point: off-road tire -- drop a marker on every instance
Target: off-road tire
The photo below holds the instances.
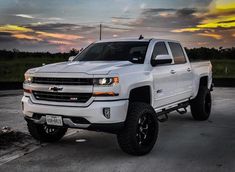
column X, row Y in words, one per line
column 46, row 133
column 129, row 139
column 201, row 105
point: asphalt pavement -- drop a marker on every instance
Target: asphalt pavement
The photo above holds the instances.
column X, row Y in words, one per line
column 183, row 144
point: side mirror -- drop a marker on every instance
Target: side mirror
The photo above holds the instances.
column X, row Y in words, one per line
column 161, row 59
column 71, row 58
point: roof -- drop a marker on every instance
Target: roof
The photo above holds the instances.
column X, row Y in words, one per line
column 133, row 39
column 124, row 39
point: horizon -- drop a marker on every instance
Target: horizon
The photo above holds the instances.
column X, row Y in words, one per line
column 32, row 26
column 78, row 50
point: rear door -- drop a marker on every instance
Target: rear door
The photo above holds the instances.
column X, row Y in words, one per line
column 183, row 71
column 164, row 78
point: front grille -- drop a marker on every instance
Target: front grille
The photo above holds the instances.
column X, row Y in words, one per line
column 63, row 81
column 62, row 97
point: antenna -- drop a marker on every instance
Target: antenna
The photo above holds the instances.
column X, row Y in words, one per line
column 100, row 30
column 141, row 37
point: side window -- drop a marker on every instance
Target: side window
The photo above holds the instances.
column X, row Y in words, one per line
column 159, row 49
column 177, row 53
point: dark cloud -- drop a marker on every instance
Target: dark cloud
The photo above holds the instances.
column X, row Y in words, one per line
column 167, row 18
column 5, row 37
column 121, row 18
column 221, row 13
column 227, row 21
column 61, row 27
column 203, row 3
column 155, row 11
column 186, row 12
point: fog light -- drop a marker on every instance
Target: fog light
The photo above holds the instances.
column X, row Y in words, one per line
column 106, row 112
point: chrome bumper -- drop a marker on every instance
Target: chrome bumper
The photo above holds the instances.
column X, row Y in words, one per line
column 66, row 121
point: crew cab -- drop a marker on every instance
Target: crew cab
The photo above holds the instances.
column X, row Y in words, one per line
column 120, row 86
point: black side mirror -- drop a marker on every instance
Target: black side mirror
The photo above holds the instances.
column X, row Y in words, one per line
column 161, row 59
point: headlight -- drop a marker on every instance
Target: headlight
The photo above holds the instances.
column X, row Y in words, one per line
column 28, row 79
column 106, row 81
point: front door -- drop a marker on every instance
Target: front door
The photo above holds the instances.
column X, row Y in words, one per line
column 164, row 78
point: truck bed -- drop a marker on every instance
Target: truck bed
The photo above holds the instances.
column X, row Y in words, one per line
column 201, row 67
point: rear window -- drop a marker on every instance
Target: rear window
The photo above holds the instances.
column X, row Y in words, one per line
column 177, row 53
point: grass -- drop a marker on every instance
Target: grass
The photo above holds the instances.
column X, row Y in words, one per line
column 223, row 68
column 13, row 70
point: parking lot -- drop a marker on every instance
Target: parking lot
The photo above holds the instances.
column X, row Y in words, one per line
column 183, row 144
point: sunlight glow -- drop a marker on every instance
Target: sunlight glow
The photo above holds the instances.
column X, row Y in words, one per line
column 24, row 36
column 59, row 35
column 212, row 35
column 14, row 28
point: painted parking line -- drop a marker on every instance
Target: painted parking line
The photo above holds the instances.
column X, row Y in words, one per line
column 26, row 149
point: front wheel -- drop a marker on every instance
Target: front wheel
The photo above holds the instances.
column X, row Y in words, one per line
column 201, row 105
column 141, row 130
column 46, row 133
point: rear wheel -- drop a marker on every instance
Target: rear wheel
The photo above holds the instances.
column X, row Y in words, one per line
column 201, row 105
column 46, row 133
column 141, row 130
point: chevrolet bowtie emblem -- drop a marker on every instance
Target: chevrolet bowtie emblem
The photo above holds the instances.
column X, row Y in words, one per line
column 55, row 88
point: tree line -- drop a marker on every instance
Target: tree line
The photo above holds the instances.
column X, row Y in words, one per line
column 202, row 53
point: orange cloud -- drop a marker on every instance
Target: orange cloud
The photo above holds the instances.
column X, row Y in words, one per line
column 186, row 30
column 24, row 36
column 201, row 43
column 20, row 32
column 212, row 35
column 59, row 35
column 60, row 42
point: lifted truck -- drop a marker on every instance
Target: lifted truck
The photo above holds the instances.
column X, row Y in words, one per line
column 121, row 86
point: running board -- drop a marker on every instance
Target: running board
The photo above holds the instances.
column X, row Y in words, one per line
column 164, row 112
column 183, row 111
column 162, row 118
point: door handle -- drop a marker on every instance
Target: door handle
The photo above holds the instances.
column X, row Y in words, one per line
column 173, row 72
column 189, row 70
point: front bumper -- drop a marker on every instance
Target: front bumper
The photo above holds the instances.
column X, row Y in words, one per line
column 93, row 113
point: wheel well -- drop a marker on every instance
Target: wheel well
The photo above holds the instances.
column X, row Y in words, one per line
column 140, row 94
column 204, row 81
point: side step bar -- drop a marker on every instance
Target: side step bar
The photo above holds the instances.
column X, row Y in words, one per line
column 164, row 112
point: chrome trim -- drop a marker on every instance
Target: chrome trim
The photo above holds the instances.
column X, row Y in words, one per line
column 70, row 123
column 66, row 121
column 42, row 120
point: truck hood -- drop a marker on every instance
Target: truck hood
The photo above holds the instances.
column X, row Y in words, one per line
column 91, row 67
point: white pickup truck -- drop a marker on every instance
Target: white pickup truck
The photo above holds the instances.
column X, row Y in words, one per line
column 121, row 86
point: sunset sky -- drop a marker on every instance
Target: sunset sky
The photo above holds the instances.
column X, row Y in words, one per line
column 58, row 26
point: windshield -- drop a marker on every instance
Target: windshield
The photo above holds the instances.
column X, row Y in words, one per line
column 114, row 51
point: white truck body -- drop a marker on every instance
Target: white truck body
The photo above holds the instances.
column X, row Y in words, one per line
column 169, row 85
column 118, row 86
